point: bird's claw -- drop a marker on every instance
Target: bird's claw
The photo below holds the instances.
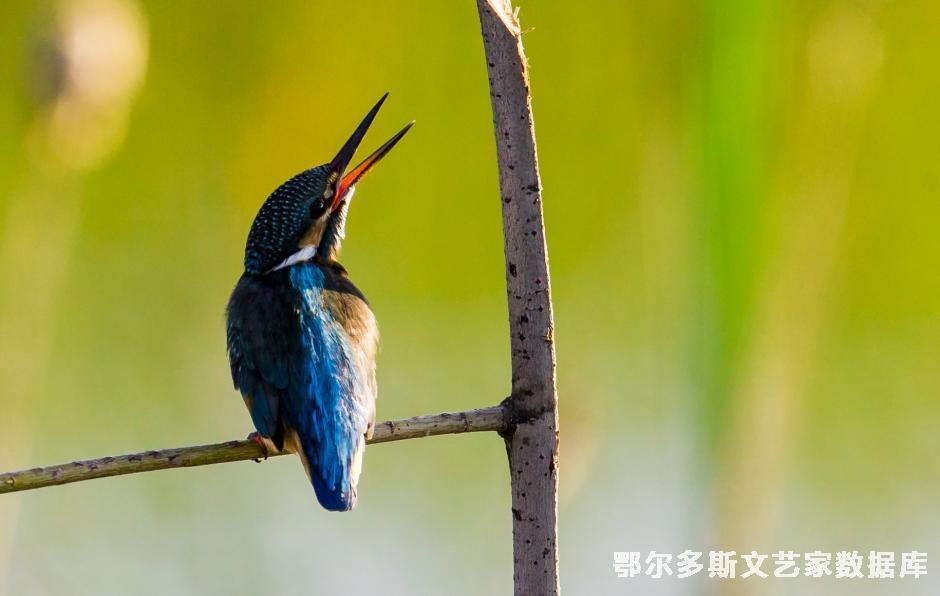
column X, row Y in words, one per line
column 257, row 438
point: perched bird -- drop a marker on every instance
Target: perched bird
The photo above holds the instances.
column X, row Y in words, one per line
column 301, row 337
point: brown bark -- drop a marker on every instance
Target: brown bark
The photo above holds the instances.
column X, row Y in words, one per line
column 532, row 441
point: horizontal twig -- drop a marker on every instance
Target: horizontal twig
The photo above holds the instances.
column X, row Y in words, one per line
column 486, row 419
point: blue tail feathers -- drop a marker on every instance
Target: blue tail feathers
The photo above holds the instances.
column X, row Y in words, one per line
column 333, row 480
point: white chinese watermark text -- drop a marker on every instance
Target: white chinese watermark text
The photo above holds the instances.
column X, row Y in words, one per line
column 721, row 564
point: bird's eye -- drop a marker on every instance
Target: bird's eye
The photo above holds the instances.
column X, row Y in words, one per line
column 317, row 208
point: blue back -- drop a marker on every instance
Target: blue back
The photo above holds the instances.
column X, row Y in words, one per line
column 329, row 400
column 302, row 345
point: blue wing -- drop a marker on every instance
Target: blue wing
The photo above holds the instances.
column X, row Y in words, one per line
column 263, row 339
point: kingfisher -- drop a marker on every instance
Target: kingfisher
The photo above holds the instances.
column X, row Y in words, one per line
column 301, row 337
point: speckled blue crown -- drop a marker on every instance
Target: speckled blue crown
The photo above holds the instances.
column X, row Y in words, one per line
column 282, row 220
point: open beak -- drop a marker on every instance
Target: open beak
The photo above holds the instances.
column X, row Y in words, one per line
column 345, row 155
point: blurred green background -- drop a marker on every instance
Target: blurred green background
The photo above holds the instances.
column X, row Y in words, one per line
column 741, row 203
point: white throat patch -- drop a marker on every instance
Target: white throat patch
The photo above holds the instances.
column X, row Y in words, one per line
column 304, row 254
column 347, row 198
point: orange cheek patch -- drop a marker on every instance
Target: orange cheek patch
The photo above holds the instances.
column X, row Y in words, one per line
column 314, row 233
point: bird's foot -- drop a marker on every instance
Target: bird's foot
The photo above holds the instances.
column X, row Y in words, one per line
column 262, row 442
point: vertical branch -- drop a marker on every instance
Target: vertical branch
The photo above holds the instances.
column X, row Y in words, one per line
column 532, row 443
